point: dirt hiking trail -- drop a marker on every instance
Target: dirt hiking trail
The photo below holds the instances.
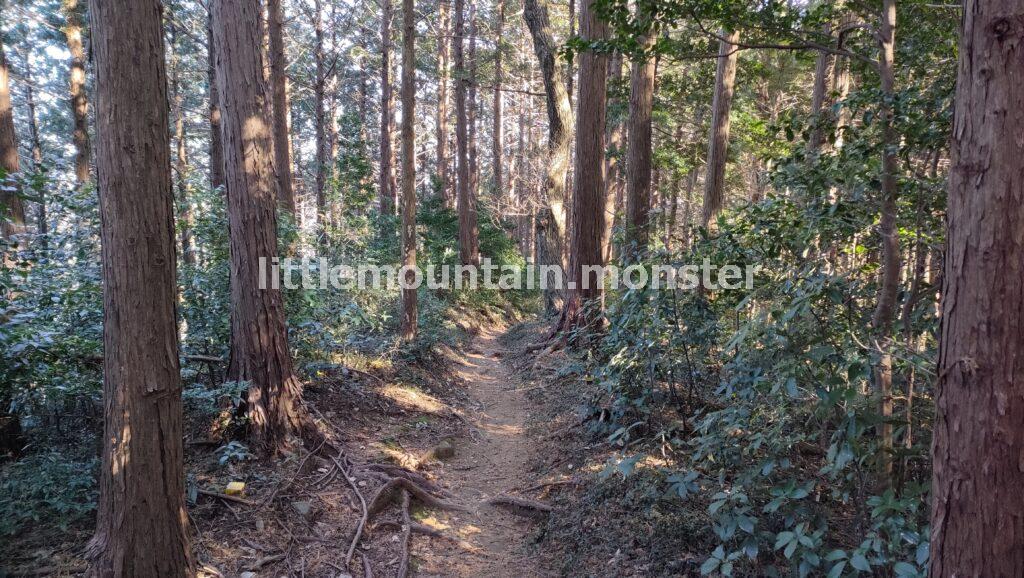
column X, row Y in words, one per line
column 492, row 461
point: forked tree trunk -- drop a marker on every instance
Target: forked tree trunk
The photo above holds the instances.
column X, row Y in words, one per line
column 498, row 130
column 216, row 144
column 141, row 522
column 551, row 221
column 79, row 101
column 978, row 440
column 585, row 300
column 718, row 140
column 469, row 244
column 259, row 339
column 409, row 310
column 12, row 207
column 444, row 44
column 638, row 167
column 282, row 121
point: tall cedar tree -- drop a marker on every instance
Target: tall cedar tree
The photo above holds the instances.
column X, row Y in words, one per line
column 469, row 243
column 388, row 184
column 978, row 437
column 259, row 340
column 279, row 88
column 443, row 53
column 79, row 101
column 216, row 146
column 141, row 522
column 638, row 166
column 586, row 291
column 409, row 312
column 12, row 207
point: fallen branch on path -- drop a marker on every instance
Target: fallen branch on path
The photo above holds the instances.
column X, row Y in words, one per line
column 520, row 505
column 225, row 497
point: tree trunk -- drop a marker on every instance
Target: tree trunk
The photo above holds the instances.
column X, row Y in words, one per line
column 12, row 207
column 259, row 339
column 586, row 291
column 387, row 178
column 37, row 146
column 616, row 156
column 978, row 440
column 79, row 103
column 409, row 311
column 443, row 49
column 216, row 144
column 319, row 122
column 473, row 106
column 498, row 132
column 718, row 140
column 181, row 155
column 885, row 309
column 282, row 120
column 550, row 223
column 638, row 167
column 469, row 243
column 819, row 92
column 141, row 522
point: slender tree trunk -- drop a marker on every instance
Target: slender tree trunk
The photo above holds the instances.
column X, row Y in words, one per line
column 387, row 181
column 409, row 311
column 473, row 106
column 616, row 155
column 282, row 116
column 882, row 319
column 79, row 102
column 259, row 339
column 551, row 222
column 216, row 144
column 37, row 146
column 443, row 49
column 12, row 207
column 320, row 121
column 141, row 522
column 585, row 302
column 718, row 140
column 638, row 167
column 469, row 243
column 978, row 440
column 498, row 132
column 181, row 153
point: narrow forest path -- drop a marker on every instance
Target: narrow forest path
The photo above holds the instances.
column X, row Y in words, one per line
column 493, row 461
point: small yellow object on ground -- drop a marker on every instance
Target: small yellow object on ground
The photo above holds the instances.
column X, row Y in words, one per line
column 234, row 488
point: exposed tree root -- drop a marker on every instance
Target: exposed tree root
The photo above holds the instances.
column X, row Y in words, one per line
column 403, row 565
column 520, row 505
column 390, row 490
column 414, row 477
column 362, row 521
column 367, row 570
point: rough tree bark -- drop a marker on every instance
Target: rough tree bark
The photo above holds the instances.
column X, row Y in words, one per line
column 469, row 243
column 12, row 207
column 550, row 223
column 216, row 145
column 259, row 340
column 141, row 522
column 585, row 299
column 498, row 130
column 978, row 439
column 638, row 165
column 409, row 310
column 718, row 140
column 282, row 116
column 821, row 87
column 79, row 102
column 37, row 145
column 443, row 51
